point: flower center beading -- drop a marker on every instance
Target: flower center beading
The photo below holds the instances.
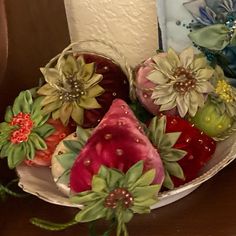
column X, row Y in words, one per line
column 73, row 91
column 186, row 80
column 224, row 91
column 119, row 196
column 231, row 24
column 25, row 124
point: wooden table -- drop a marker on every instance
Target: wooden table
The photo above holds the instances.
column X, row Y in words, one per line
column 33, row 32
column 208, row 211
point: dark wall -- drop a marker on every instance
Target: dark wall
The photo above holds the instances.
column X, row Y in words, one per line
column 37, row 31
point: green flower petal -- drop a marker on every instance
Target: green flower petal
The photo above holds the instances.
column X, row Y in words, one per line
column 140, row 209
column 37, row 141
column 174, row 169
column 187, row 57
column 4, row 149
column 77, row 114
column 168, row 183
column 145, row 180
column 45, row 130
column 86, row 197
column 47, row 89
column 69, row 67
column 93, row 212
column 99, row 184
column 93, row 81
column 8, row 114
column 157, row 77
column 65, row 112
column 23, row 103
column 52, row 107
column 114, row 177
column 30, row 150
column 51, row 75
column 142, row 194
column 88, row 103
column 133, row 174
column 87, row 71
column 95, row 91
column 16, row 155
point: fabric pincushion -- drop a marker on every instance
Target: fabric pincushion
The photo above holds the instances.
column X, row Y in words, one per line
column 27, row 135
column 81, row 87
column 117, row 142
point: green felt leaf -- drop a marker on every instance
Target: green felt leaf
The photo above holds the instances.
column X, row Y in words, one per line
column 66, row 160
column 134, row 173
column 16, row 155
column 23, row 103
column 174, row 169
column 8, row 114
column 37, row 141
column 99, row 184
column 85, row 198
column 145, row 180
column 45, row 130
column 146, row 203
column 168, row 183
column 92, row 212
column 73, row 145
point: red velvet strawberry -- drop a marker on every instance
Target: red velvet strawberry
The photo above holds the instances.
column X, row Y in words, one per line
column 118, row 142
column 43, row 157
column 184, row 149
column 82, row 87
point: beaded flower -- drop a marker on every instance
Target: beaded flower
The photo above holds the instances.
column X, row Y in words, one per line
column 72, row 86
column 117, row 196
column 24, row 130
column 182, row 81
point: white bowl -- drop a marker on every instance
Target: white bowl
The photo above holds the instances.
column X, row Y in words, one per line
column 39, row 181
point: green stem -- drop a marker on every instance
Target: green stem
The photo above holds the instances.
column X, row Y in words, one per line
column 6, row 190
column 47, row 225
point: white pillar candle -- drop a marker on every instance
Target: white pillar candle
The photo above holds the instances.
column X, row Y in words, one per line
column 131, row 26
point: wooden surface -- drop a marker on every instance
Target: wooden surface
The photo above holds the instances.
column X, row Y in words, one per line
column 37, row 30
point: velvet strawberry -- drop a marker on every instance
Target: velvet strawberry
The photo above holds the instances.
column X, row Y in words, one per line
column 118, row 142
column 184, row 149
column 82, row 88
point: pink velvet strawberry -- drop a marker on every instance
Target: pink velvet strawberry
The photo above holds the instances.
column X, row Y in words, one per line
column 43, row 157
column 184, row 149
column 118, row 142
column 82, row 88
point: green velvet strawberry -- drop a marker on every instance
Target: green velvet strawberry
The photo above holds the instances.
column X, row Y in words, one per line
column 217, row 118
column 24, row 130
